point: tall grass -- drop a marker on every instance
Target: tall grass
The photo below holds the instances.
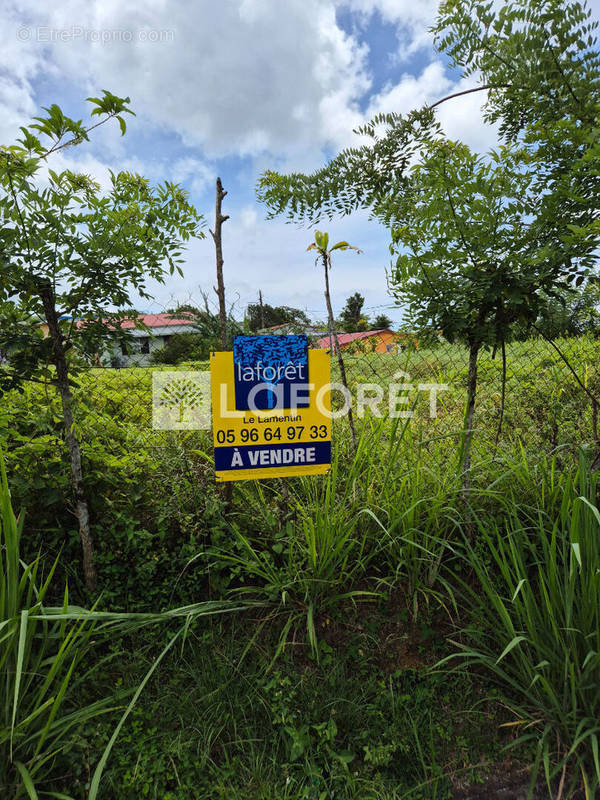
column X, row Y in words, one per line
column 318, row 560
column 535, row 606
column 418, row 513
column 40, row 651
column 45, row 655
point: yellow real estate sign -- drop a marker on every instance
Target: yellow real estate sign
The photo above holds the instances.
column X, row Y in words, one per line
column 252, row 441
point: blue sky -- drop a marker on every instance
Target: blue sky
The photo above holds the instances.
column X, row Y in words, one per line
column 231, row 89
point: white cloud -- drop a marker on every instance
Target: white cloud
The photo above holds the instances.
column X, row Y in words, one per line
column 194, row 173
column 248, row 217
column 22, row 61
column 461, row 118
column 412, row 19
column 241, row 77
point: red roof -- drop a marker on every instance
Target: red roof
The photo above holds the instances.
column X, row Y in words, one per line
column 157, row 321
column 346, row 338
column 150, row 320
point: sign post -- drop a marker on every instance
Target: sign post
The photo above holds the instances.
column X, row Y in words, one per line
column 270, row 409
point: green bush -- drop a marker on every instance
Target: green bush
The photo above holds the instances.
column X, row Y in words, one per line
column 184, row 347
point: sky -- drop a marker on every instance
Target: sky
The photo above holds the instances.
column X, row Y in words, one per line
column 231, row 89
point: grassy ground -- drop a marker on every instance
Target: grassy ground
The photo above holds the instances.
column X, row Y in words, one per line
column 368, row 721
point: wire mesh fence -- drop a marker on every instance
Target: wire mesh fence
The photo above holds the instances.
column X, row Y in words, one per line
column 541, row 395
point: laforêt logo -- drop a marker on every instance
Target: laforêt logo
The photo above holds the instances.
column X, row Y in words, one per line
column 270, row 372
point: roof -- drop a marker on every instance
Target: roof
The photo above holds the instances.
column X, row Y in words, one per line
column 347, row 338
column 150, row 320
column 157, row 321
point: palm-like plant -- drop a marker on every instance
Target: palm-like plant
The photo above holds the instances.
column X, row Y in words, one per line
column 321, row 245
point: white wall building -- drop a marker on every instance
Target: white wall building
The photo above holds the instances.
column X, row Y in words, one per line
column 161, row 328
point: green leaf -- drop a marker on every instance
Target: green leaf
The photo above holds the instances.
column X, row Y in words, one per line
column 27, row 781
column 512, row 644
column 518, row 589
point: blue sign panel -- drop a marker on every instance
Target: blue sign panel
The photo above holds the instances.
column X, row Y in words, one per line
column 270, row 372
column 275, row 455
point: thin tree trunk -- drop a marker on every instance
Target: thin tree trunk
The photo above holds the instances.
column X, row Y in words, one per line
column 333, row 336
column 469, row 417
column 220, row 218
column 62, row 375
column 220, row 288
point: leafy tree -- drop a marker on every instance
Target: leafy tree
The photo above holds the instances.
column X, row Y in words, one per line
column 381, row 322
column 470, row 262
column 351, row 317
column 274, row 315
column 537, row 60
column 541, row 60
column 321, row 245
column 569, row 313
column 69, row 254
column 184, row 347
column 539, row 65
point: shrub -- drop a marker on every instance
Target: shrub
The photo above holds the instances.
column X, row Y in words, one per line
column 184, row 347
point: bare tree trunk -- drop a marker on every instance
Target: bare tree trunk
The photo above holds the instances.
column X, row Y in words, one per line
column 62, row 375
column 220, row 288
column 333, row 337
column 220, row 218
column 469, row 417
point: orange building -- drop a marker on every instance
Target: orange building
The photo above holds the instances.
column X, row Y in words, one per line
column 381, row 341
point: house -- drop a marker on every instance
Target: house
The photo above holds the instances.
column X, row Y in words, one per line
column 381, row 341
column 160, row 328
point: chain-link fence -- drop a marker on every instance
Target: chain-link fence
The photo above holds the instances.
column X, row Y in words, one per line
column 541, row 394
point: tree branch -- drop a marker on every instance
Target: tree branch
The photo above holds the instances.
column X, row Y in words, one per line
column 76, row 139
column 470, row 91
